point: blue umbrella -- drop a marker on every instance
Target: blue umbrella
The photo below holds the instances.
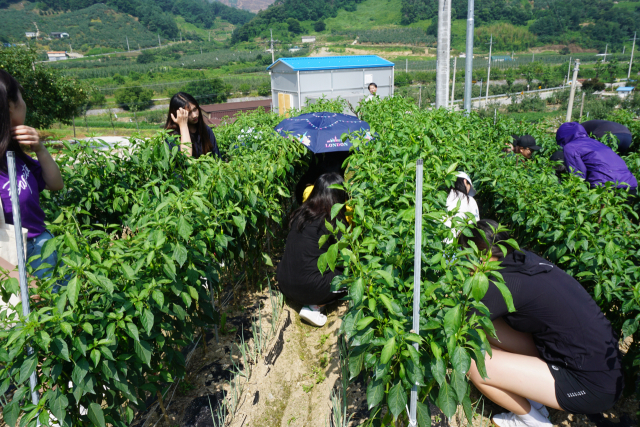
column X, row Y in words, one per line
column 321, row 132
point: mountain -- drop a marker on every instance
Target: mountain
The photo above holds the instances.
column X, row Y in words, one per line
column 254, row 6
column 515, row 24
column 157, row 16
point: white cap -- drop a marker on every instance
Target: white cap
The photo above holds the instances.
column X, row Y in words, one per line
column 472, row 191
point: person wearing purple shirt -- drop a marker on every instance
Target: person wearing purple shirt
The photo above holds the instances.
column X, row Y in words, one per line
column 592, row 160
column 33, row 176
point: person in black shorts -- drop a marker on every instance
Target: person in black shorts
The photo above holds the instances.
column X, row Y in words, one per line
column 601, row 128
column 557, row 349
column 298, row 275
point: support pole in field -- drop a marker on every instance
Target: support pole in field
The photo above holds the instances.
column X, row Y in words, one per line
column 135, row 118
column 417, row 266
column 569, row 71
column 582, row 105
column 128, row 50
column 468, row 68
column 73, row 121
column 420, row 97
column 573, row 90
column 273, row 57
column 486, row 100
column 22, row 270
column 633, row 47
column 606, row 47
column 444, row 52
column 159, row 43
column 406, row 65
column 453, row 84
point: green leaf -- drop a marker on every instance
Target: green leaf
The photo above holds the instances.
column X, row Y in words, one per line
column 158, row 297
column 58, row 404
column 80, row 371
column 147, row 320
column 357, row 292
column 11, row 412
column 363, row 323
column 133, row 331
column 61, row 348
column 423, row 415
column 335, row 209
column 386, row 276
column 388, row 350
column 71, row 242
column 184, row 228
column 96, row 415
column 397, row 400
column 240, row 222
column 267, row 260
column 375, row 392
column 447, row 400
column 180, row 254
column 506, row 294
column 453, row 320
column 322, row 263
column 461, row 360
column 73, row 290
column 143, row 351
column 479, row 285
column 27, row 368
column 332, row 254
column 460, row 384
column 95, row 357
column 610, row 249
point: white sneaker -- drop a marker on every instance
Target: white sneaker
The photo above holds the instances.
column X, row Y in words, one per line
column 532, row 419
column 313, row 316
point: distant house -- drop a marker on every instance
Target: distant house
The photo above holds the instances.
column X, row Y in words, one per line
column 308, row 39
column 57, row 56
column 59, row 35
column 30, row 34
column 294, row 49
column 501, row 58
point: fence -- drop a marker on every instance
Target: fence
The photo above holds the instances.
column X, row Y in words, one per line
column 516, row 62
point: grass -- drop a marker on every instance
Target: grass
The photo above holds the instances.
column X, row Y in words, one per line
column 220, row 32
column 371, row 14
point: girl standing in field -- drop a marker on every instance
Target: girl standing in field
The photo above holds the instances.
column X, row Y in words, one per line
column 33, row 176
column 185, row 119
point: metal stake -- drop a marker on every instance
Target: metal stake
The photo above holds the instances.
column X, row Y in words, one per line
column 573, row 89
column 417, row 266
column 22, row 269
column 486, row 100
column 468, row 72
column 582, row 105
column 631, row 60
column 453, row 85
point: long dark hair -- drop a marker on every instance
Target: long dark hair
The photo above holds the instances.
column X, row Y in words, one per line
column 460, row 187
column 320, row 202
column 493, row 238
column 9, row 92
column 182, row 100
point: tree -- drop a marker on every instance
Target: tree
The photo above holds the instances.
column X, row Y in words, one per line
column 211, row 91
column 294, row 26
column 50, row 96
column 134, row 98
column 264, row 89
column 319, row 26
column 97, row 99
column 612, row 69
column 510, row 77
column 565, row 51
column 599, row 68
column 145, row 57
column 118, row 79
column 245, row 88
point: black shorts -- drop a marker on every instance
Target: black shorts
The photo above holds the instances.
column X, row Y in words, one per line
column 576, row 396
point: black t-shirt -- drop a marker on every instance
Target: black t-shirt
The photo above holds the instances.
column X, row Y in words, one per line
column 196, row 143
column 567, row 325
column 298, row 275
column 600, row 127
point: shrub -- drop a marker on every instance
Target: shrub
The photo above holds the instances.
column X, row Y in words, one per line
column 209, row 91
column 264, row 89
column 134, row 98
column 402, row 79
column 319, row 26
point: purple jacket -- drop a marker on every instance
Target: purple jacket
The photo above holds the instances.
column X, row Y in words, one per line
column 591, row 159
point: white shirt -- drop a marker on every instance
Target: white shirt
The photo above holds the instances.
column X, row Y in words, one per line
column 467, row 204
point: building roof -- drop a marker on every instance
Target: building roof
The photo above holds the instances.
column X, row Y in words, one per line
column 333, row 62
column 625, row 89
column 57, row 53
column 235, row 106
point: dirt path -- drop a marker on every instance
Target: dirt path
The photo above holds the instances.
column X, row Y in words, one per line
column 295, row 391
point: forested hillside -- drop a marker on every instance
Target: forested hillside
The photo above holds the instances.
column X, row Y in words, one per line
column 157, row 16
column 284, row 17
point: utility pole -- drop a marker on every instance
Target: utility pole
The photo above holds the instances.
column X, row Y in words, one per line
column 128, row 50
column 533, row 57
column 273, row 57
column 605, row 52
column 159, row 43
column 453, row 86
column 180, row 36
column 468, row 71
column 70, row 48
column 582, row 105
column 569, row 71
column 573, row 90
column 444, row 52
column 486, row 100
column 633, row 47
